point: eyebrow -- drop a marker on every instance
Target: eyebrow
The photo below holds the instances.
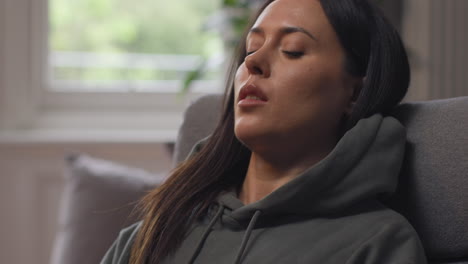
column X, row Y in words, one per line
column 286, row 30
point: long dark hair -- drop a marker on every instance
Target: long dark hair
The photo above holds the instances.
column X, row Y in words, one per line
column 374, row 51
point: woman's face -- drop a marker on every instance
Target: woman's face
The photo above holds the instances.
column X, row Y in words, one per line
column 292, row 87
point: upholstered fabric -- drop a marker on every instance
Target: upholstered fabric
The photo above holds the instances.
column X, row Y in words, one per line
column 98, row 199
column 433, row 192
column 199, row 121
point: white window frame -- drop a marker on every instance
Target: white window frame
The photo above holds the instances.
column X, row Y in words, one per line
column 29, row 110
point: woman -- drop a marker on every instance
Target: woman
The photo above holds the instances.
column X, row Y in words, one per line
column 303, row 151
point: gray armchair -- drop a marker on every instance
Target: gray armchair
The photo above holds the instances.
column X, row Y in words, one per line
column 433, row 192
column 433, row 189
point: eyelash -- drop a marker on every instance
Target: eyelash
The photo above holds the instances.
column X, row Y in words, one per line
column 291, row 54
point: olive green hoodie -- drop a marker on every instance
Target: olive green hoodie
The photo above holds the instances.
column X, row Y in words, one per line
column 328, row 214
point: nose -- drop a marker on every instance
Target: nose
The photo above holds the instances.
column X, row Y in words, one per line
column 258, row 64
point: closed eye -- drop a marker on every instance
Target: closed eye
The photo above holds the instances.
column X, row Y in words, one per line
column 293, row 54
column 250, row 52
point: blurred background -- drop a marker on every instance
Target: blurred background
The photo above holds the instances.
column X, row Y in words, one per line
column 111, row 78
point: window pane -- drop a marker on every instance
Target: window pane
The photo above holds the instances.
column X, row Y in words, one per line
column 130, row 44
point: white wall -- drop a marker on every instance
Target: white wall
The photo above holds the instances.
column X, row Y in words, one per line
column 2, row 62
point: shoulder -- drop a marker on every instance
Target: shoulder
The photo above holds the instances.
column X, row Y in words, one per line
column 119, row 252
column 390, row 239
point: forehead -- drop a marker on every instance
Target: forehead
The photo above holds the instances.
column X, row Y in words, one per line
column 304, row 13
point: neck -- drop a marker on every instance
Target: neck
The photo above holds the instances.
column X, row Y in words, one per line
column 266, row 175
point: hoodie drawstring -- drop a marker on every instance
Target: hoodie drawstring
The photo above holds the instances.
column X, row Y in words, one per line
column 245, row 240
column 206, row 233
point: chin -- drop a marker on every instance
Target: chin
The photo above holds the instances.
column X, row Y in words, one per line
column 253, row 138
column 246, row 135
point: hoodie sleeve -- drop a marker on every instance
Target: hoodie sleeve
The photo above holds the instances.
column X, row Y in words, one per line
column 119, row 252
column 396, row 243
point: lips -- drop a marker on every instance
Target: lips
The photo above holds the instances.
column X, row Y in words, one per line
column 251, row 92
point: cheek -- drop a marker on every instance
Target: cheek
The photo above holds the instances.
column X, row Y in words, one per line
column 321, row 81
column 303, row 82
column 316, row 89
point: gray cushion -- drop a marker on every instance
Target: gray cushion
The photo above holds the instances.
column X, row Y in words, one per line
column 98, row 199
column 433, row 189
column 200, row 119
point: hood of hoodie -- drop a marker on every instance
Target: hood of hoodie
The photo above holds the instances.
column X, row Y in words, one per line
column 364, row 164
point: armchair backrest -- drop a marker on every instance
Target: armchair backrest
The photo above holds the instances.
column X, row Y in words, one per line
column 433, row 188
column 200, row 119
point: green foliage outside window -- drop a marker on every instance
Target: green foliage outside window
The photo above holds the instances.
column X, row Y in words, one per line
column 127, row 26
